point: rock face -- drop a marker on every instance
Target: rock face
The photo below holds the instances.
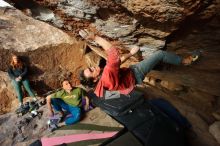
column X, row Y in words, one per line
column 7, row 94
column 115, row 30
column 42, row 47
column 214, row 129
column 131, row 22
column 161, row 10
column 202, row 75
column 22, row 33
column 78, row 9
column 177, row 26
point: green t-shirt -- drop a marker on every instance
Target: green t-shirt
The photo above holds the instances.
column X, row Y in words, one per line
column 73, row 98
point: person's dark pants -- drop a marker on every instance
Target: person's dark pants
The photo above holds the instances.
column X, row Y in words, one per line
column 171, row 112
column 17, row 85
column 59, row 104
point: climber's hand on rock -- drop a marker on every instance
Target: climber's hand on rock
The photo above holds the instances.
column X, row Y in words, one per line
column 134, row 50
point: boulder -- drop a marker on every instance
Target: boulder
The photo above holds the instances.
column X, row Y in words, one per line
column 7, row 93
column 22, row 33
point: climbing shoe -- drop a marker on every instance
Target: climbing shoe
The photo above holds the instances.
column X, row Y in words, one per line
column 196, row 54
column 23, row 109
column 42, row 102
column 53, row 122
column 33, row 106
column 193, row 57
column 34, row 99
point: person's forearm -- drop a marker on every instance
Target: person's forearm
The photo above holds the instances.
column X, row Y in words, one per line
column 133, row 51
column 24, row 72
column 50, row 107
column 11, row 75
column 103, row 43
column 49, row 103
column 87, row 100
column 125, row 57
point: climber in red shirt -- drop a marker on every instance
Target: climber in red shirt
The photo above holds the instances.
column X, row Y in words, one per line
column 114, row 78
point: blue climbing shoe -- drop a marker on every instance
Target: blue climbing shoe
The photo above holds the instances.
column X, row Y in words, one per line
column 193, row 57
column 196, row 54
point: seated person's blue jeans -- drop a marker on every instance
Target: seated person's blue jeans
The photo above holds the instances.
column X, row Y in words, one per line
column 142, row 68
column 59, row 104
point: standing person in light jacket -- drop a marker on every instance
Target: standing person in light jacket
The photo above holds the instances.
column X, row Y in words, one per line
column 18, row 73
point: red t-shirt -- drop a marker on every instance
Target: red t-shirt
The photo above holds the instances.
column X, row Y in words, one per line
column 113, row 77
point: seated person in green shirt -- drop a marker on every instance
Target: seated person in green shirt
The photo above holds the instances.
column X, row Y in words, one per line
column 69, row 99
